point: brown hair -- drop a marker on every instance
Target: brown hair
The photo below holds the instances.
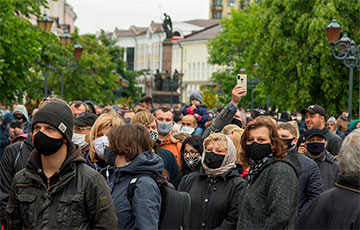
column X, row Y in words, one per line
column 164, row 110
column 130, row 140
column 278, row 146
column 143, row 117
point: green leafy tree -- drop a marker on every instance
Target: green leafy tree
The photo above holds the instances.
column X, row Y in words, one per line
column 288, row 40
column 25, row 50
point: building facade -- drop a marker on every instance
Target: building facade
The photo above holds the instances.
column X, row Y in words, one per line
column 222, row 8
column 143, row 47
column 191, row 57
column 63, row 15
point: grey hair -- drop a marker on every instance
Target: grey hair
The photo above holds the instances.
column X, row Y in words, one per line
column 349, row 156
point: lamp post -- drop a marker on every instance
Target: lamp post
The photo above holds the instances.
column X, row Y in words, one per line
column 252, row 84
column 45, row 23
column 346, row 50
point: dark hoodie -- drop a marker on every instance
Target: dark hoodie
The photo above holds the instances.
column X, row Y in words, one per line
column 75, row 197
column 15, row 158
column 4, row 133
column 145, row 209
column 270, row 200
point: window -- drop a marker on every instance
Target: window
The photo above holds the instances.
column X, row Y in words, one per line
column 217, row 15
column 203, row 71
column 130, row 58
column 231, row 3
column 193, row 73
column 217, row 2
column 176, row 34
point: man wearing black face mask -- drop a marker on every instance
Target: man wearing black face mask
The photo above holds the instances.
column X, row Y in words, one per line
column 310, row 181
column 57, row 190
column 315, row 143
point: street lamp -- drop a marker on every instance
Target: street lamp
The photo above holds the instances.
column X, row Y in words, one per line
column 252, row 84
column 346, row 50
column 65, row 38
column 45, row 22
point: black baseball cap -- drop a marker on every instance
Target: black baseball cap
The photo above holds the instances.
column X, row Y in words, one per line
column 314, row 109
column 85, row 119
column 314, row 132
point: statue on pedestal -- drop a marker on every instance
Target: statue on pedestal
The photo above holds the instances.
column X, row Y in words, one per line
column 167, row 26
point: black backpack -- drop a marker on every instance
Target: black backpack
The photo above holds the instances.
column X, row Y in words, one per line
column 175, row 205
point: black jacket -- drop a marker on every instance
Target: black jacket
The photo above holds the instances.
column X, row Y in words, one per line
column 75, row 197
column 170, row 165
column 336, row 208
column 270, row 201
column 329, row 169
column 214, row 201
column 15, row 158
column 310, row 181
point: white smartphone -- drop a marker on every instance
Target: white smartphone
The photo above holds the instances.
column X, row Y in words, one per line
column 242, row 80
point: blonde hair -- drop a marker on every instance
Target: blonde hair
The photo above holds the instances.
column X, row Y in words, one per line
column 216, row 137
column 143, row 117
column 104, row 120
column 236, row 133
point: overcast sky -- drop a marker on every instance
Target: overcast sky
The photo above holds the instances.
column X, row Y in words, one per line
column 93, row 15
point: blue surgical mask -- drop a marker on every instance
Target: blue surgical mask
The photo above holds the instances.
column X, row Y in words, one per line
column 164, row 128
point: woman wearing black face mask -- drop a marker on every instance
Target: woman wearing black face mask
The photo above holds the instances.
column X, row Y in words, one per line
column 270, row 199
column 215, row 189
column 191, row 150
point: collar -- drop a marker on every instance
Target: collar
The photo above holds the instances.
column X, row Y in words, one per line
column 170, row 139
column 348, row 183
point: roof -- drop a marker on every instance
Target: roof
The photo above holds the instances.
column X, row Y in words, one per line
column 203, row 22
column 124, row 33
column 204, row 34
column 156, row 26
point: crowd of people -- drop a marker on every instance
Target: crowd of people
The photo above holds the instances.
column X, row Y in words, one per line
column 77, row 165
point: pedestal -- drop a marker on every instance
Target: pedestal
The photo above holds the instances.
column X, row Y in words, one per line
column 165, row 97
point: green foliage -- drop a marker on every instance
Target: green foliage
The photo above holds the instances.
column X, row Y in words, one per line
column 24, row 50
column 288, row 40
column 209, row 96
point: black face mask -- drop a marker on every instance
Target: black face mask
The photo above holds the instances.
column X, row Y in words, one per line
column 46, row 145
column 109, row 156
column 258, row 151
column 237, row 122
column 288, row 142
column 213, row 160
column 315, row 148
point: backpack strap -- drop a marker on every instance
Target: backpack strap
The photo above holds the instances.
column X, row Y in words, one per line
column 18, row 155
column 132, row 185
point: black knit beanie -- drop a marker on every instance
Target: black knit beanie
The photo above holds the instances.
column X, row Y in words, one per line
column 57, row 114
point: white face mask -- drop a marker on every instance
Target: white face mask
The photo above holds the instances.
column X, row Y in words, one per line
column 100, row 144
column 79, row 139
column 346, row 115
column 298, row 118
column 185, row 129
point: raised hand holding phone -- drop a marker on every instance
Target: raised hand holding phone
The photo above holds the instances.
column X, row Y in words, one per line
column 242, row 81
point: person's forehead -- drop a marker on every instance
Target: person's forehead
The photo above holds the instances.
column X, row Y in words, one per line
column 217, row 144
column 188, row 118
column 167, row 114
column 316, row 138
column 41, row 124
column 282, row 131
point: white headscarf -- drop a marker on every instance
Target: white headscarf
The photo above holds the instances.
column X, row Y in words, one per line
column 228, row 162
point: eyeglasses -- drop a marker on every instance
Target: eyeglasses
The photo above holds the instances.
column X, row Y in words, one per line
column 191, row 153
column 81, row 129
